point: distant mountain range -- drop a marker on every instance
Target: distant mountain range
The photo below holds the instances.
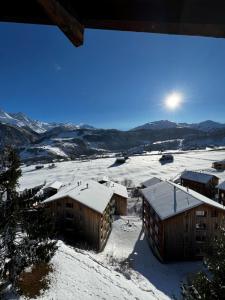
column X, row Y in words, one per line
column 22, row 120
column 41, row 141
column 205, row 126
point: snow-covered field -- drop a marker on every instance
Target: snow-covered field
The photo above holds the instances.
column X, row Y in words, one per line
column 137, row 168
column 85, row 275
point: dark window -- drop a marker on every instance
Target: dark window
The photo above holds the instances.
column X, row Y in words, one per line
column 200, row 226
column 59, row 204
column 69, row 215
column 69, row 205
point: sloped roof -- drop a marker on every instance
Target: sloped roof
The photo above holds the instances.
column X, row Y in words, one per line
column 117, row 188
column 197, row 176
column 90, row 193
column 151, row 181
column 221, row 186
column 169, row 199
column 54, row 185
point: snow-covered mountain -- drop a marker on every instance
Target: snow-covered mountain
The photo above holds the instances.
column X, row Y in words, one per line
column 22, row 120
column 206, row 126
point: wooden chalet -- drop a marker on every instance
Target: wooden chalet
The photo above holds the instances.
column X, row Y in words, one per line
column 120, row 196
column 219, row 165
column 185, row 17
column 202, row 183
column 83, row 211
column 179, row 223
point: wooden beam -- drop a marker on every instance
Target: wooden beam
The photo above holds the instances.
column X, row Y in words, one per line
column 73, row 29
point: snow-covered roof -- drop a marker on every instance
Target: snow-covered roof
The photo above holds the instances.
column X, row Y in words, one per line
column 54, row 185
column 197, row 176
column 117, row 188
column 151, row 181
column 221, row 186
column 90, row 193
column 169, row 199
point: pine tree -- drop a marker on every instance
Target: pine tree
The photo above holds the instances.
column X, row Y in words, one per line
column 9, row 213
column 25, row 228
column 210, row 283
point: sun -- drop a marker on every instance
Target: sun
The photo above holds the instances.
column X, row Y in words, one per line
column 173, row 101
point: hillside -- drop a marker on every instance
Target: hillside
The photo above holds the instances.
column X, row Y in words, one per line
column 41, row 141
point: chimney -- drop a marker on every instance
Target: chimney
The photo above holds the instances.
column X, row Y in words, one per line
column 174, row 199
column 87, row 185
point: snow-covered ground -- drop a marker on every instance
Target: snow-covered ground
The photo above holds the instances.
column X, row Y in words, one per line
column 85, row 275
column 137, row 168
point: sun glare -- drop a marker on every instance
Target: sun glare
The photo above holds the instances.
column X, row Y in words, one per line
column 173, row 101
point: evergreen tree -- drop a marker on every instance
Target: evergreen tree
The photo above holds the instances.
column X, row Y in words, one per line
column 25, row 228
column 210, row 283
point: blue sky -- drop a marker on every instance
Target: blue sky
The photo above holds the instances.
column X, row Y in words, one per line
column 115, row 80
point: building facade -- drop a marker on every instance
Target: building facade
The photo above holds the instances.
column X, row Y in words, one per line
column 185, row 227
column 83, row 213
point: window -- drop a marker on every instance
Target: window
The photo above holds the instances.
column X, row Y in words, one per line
column 156, row 229
column 200, row 226
column 201, row 213
column 216, row 226
column 59, row 204
column 69, row 205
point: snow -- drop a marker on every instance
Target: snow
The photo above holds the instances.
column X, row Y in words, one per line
column 90, row 193
column 54, row 185
column 117, row 188
column 151, row 181
column 85, row 275
column 169, row 199
column 80, row 274
column 137, row 168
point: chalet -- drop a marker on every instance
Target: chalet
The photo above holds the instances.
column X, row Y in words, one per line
column 120, row 197
column 52, row 188
column 221, row 192
column 219, row 165
column 179, row 223
column 150, row 182
column 83, row 211
column 202, row 183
